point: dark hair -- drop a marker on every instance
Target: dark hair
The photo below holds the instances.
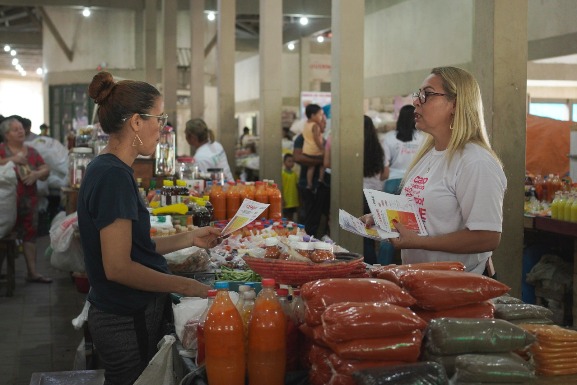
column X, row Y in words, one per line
column 118, row 101
column 198, row 128
column 286, row 156
column 406, row 123
column 312, row 109
column 374, row 160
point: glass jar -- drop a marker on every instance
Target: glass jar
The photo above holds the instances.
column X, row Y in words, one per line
column 165, row 162
column 216, row 174
column 77, row 162
column 84, row 136
column 187, row 169
column 323, row 252
column 271, row 249
column 305, row 249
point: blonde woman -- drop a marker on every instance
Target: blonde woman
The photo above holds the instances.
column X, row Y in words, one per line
column 456, row 179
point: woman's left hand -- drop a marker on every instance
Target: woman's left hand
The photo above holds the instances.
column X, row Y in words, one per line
column 408, row 239
column 30, row 178
column 206, row 237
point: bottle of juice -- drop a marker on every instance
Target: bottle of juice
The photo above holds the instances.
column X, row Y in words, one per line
column 218, row 200
column 260, row 195
column 574, row 211
column 240, row 302
column 561, row 206
column 292, row 347
column 247, row 306
column 568, row 205
column 555, row 206
column 267, row 339
column 275, row 201
column 224, row 341
column 200, row 341
column 232, row 200
column 538, row 183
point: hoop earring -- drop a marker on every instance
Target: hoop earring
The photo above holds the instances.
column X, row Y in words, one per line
column 451, row 126
column 134, row 141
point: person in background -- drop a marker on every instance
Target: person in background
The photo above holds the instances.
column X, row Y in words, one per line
column 129, row 277
column 374, row 173
column 456, row 179
column 313, row 145
column 245, row 138
column 400, row 146
column 30, row 168
column 207, row 155
column 27, row 124
column 44, row 130
column 290, row 194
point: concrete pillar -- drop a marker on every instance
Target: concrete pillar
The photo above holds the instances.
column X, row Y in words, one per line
column 169, row 59
column 150, row 19
column 500, row 66
column 196, row 58
column 348, row 19
column 270, row 116
column 226, row 130
column 305, row 60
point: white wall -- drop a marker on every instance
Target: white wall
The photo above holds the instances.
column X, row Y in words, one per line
column 22, row 97
column 548, row 18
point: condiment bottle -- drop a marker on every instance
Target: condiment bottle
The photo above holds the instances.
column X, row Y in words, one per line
column 224, row 339
column 271, row 248
column 323, row 252
column 292, row 348
column 200, row 340
column 261, row 195
column 305, row 249
column 267, row 339
column 218, row 200
column 275, row 201
column 232, row 200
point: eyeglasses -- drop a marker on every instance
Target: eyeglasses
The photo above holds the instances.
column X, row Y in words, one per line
column 423, row 95
column 162, row 119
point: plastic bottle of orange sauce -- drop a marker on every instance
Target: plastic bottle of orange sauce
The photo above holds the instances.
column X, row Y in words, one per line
column 232, row 200
column 260, row 195
column 248, row 191
column 275, row 201
column 267, row 339
column 218, row 200
column 224, row 341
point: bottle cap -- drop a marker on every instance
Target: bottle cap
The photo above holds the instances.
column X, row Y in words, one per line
column 267, row 282
column 323, row 246
column 271, row 241
column 294, row 238
column 221, row 285
column 282, row 292
column 212, row 293
column 305, row 246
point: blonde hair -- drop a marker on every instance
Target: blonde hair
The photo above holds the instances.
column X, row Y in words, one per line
column 468, row 122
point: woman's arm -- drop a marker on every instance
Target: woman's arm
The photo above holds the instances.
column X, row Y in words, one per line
column 41, row 173
column 120, row 268
column 385, row 173
column 460, row 242
column 204, row 237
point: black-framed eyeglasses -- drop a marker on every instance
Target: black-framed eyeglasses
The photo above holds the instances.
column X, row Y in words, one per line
column 423, row 95
column 162, row 119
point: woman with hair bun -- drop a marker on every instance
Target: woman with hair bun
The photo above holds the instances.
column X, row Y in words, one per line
column 128, row 274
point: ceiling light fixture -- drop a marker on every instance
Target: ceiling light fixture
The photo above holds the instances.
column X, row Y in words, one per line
column 304, row 20
column 39, row 71
column 86, row 12
column 291, row 46
column 23, row 73
column 6, row 48
column 211, row 16
column 15, row 61
column 13, row 52
column 320, row 38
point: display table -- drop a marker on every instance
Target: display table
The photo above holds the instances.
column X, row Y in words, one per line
column 563, row 229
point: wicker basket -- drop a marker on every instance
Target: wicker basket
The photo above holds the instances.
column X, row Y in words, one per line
column 297, row 272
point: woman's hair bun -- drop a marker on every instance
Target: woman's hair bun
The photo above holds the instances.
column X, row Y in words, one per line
column 101, row 86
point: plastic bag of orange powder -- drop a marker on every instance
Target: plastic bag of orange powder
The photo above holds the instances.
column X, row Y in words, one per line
column 440, row 290
column 404, row 348
column 357, row 320
column 324, row 292
column 394, row 273
column 483, row 309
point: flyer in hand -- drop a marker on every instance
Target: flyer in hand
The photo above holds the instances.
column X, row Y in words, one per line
column 249, row 211
column 385, row 208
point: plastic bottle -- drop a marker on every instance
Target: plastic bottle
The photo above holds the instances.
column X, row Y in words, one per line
column 156, row 199
column 292, row 349
column 568, row 205
column 208, row 206
column 200, row 353
column 240, row 302
column 166, row 196
column 260, row 195
column 218, row 200
column 247, row 307
column 267, row 339
column 151, row 190
column 298, row 307
column 275, row 201
column 143, row 196
column 561, row 206
column 203, row 214
column 248, row 191
column 574, row 211
column 232, row 200
column 538, row 184
column 224, row 341
column 555, row 206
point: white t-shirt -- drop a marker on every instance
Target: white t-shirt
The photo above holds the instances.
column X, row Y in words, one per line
column 212, row 155
column 398, row 154
column 467, row 193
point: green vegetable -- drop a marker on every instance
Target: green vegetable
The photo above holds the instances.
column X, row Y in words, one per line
column 228, row 274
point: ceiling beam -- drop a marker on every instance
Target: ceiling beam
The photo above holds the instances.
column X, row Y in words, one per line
column 561, row 45
column 30, row 39
column 124, row 4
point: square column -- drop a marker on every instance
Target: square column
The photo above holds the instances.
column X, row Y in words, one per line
column 196, row 59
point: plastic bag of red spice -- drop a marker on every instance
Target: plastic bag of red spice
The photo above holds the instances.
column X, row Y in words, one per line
column 394, row 273
column 439, row 290
column 348, row 367
column 483, row 309
column 406, row 348
column 357, row 320
column 324, row 292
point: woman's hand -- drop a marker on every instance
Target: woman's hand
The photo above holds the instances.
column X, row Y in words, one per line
column 368, row 220
column 408, row 239
column 206, row 237
column 30, row 178
column 19, row 158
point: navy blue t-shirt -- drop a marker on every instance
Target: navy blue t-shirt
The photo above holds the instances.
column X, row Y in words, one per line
column 109, row 192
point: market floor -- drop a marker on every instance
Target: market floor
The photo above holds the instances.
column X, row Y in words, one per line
column 36, row 330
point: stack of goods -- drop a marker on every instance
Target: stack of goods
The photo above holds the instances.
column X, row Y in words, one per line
column 422, row 373
column 478, row 350
column 356, row 324
column 448, row 293
column 523, row 313
column 394, row 273
column 555, row 352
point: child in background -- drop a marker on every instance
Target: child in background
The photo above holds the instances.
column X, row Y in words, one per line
column 290, row 195
column 313, row 144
